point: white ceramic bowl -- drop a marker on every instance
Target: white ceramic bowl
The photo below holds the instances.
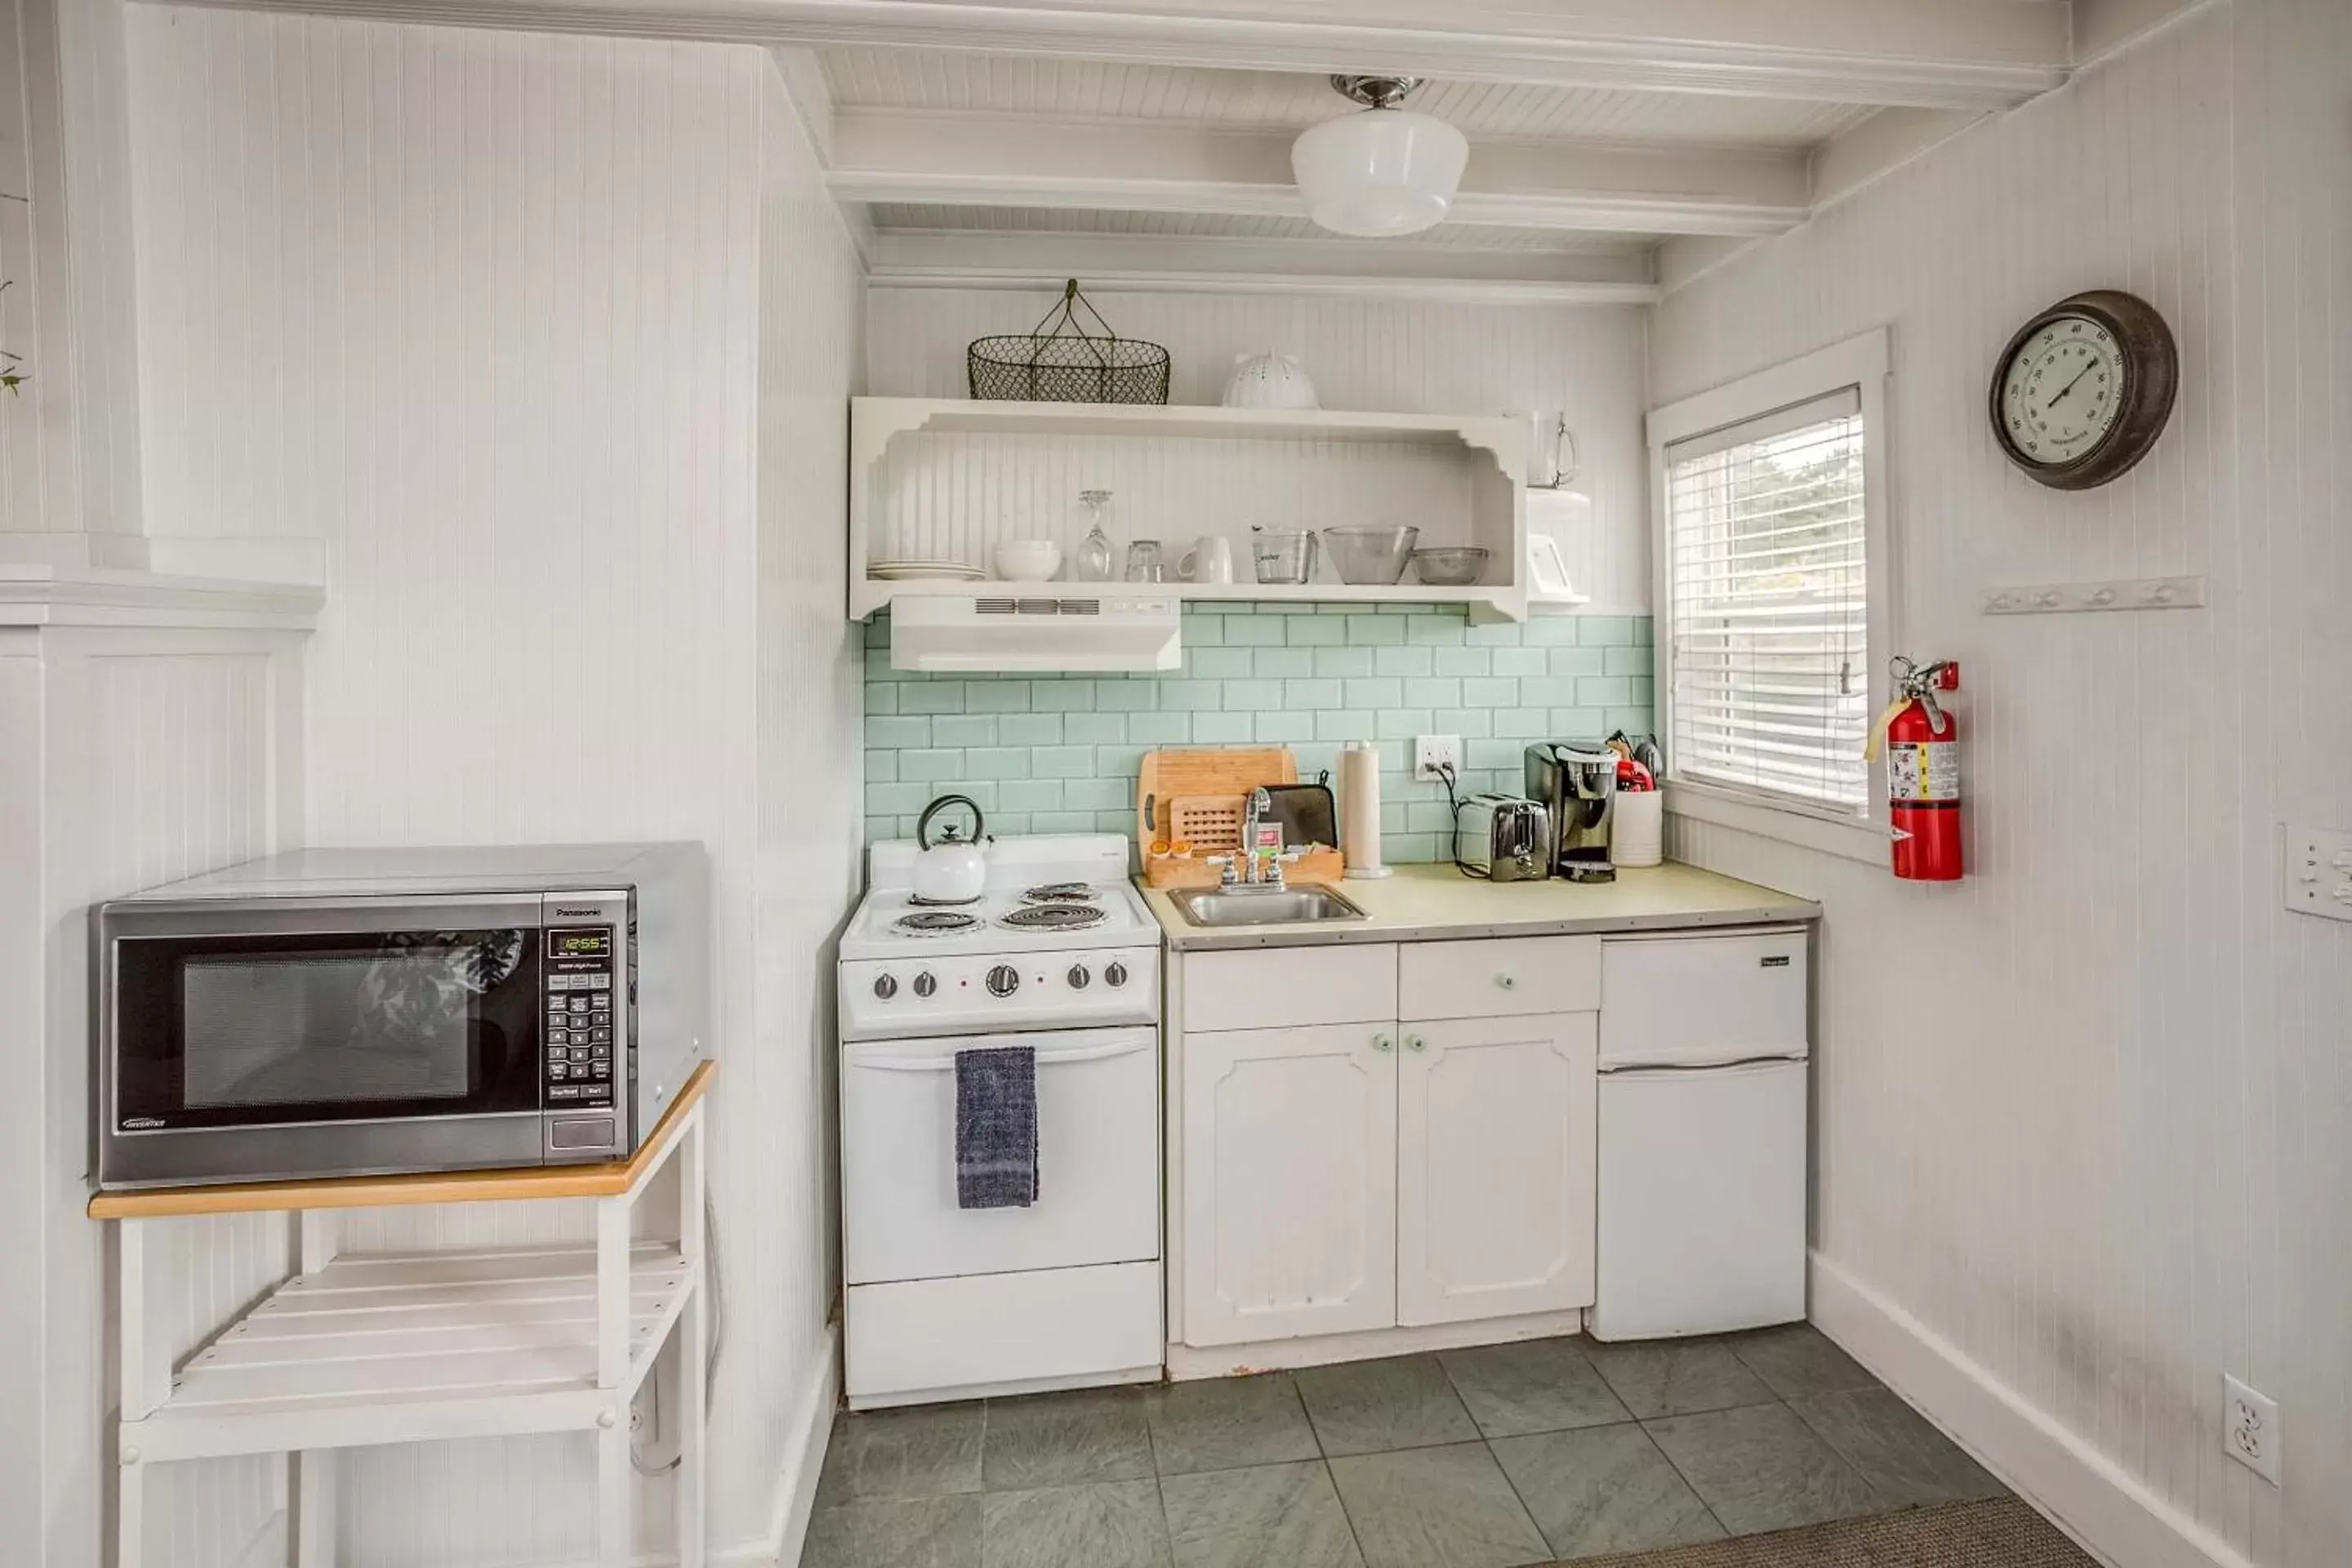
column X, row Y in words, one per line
column 1028, row 560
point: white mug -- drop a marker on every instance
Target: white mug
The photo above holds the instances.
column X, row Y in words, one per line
column 1210, row 561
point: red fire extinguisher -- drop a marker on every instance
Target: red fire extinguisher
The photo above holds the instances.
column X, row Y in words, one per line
column 1923, row 770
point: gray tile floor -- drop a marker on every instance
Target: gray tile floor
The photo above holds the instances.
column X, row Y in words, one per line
column 1476, row 1458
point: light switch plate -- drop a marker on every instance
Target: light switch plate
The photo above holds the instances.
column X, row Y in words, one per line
column 2318, row 872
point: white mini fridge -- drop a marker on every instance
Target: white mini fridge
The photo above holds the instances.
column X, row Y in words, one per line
column 1702, row 1134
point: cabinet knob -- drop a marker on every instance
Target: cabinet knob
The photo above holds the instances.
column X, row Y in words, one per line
column 1508, row 982
column 1383, row 1043
column 1412, row 1042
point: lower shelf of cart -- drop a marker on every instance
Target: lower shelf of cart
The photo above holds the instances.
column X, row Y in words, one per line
column 405, row 1347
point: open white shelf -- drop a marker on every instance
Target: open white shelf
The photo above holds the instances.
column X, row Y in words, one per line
column 949, row 479
column 403, row 1348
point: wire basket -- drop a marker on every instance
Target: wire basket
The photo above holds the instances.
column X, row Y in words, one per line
column 1059, row 361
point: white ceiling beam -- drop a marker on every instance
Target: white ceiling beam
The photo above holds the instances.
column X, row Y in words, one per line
column 965, row 259
column 1930, row 54
column 959, row 160
column 1880, row 144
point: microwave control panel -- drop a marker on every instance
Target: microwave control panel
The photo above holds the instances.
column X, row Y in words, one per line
column 578, row 976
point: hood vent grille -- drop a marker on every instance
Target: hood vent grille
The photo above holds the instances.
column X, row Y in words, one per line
column 1037, row 607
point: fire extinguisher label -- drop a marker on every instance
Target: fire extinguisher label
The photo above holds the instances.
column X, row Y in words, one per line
column 1923, row 769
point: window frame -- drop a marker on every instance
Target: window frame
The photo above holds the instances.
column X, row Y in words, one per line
column 1864, row 362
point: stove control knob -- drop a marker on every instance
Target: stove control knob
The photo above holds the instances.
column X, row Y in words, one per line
column 925, row 985
column 1078, row 977
column 1004, row 980
column 1115, row 974
column 886, row 986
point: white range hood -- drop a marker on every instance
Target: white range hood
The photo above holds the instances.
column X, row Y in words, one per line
column 1048, row 628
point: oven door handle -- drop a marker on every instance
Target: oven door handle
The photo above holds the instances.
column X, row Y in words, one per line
column 1047, row 1057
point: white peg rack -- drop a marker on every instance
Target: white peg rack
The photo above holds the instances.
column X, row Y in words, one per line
column 2124, row 594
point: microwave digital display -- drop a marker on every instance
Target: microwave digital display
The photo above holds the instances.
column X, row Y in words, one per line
column 581, row 941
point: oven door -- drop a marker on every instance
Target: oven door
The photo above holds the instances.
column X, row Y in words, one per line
column 298, row 1038
column 1097, row 1158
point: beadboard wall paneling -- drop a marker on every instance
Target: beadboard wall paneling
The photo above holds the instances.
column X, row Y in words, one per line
column 1389, row 355
column 956, row 497
column 807, row 719
column 136, row 757
column 1060, row 754
column 494, row 317
column 2088, row 1114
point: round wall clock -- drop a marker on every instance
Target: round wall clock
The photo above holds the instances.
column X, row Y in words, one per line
column 2083, row 391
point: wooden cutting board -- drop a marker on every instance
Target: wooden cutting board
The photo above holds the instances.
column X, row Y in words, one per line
column 1214, row 771
column 1212, row 782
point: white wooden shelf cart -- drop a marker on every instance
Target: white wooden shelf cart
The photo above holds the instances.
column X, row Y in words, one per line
column 415, row 1347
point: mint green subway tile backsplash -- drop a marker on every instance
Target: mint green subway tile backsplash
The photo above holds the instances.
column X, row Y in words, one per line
column 1059, row 754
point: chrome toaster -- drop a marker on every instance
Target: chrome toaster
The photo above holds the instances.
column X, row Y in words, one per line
column 1503, row 839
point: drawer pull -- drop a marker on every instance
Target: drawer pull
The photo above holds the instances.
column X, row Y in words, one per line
column 1413, row 1043
column 1507, row 981
column 1383, row 1043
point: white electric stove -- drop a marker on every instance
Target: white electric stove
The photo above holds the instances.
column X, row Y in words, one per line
column 1059, row 955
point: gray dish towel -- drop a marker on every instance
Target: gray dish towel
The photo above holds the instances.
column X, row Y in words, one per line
column 996, row 1127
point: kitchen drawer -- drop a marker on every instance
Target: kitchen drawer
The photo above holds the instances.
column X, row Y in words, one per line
column 1499, row 977
column 1278, row 987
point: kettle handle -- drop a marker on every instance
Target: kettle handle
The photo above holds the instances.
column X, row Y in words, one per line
column 923, row 823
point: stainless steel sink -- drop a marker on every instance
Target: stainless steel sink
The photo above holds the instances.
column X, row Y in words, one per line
column 1263, row 906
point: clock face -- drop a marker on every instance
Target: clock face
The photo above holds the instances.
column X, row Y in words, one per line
column 2061, row 391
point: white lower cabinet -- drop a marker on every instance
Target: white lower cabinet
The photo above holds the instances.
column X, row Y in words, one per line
column 1289, row 1182
column 1343, row 1176
column 1495, row 1167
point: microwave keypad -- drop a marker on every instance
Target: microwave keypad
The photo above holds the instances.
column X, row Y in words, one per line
column 578, row 1039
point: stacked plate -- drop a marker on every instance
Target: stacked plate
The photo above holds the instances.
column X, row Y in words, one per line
column 924, row 572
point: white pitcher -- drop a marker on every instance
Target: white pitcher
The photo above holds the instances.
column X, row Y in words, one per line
column 1270, row 381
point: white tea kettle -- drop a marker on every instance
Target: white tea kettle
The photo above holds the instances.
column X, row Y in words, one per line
column 954, row 870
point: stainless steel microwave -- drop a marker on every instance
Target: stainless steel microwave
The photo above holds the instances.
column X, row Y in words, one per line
column 357, row 1011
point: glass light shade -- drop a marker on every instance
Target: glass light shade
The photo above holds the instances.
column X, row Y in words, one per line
column 1385, row 172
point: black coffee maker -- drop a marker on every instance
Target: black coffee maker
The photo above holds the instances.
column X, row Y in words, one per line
column 1576, row 781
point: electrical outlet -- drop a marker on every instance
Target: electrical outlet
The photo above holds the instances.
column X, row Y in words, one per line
column 2318, row 865
column 1431, row 753
column 2250, row 1428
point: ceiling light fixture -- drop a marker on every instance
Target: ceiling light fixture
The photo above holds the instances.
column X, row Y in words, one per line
column 1382, row 173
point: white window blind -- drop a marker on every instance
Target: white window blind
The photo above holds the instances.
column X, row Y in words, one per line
column 1768, row 637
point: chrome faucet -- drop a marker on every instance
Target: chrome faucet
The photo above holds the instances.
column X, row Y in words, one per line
column 1255, row 872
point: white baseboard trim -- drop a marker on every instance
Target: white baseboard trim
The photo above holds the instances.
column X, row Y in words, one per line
column 796, row 1487
column 2109, row 1512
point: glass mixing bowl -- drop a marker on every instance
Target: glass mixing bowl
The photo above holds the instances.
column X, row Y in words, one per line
column 1374, row 554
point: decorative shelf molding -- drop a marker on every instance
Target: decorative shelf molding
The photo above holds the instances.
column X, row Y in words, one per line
column 1457, row 477
column 42, row 595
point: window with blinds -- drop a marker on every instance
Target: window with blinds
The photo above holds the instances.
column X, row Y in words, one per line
column 1768, row 615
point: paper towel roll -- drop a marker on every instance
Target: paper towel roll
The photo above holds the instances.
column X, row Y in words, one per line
column 1359, row 808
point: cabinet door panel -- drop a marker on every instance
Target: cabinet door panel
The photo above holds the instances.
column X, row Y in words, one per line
column 1495, row 1167
column 1289, row 1183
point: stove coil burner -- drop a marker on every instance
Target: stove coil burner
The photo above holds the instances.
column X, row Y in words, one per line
column 920, row 902
column 1053, row 916
column 1061, row 893
column 935, row 922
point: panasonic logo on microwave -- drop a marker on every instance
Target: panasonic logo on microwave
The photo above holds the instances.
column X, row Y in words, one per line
column 588, row 914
